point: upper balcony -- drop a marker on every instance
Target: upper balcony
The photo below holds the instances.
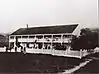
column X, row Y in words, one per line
column 43, row 38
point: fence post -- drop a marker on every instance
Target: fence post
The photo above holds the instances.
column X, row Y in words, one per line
column 81, row 53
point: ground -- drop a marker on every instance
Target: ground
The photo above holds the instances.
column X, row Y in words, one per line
column 40, row 63
column 92, row 67
column 35, row 63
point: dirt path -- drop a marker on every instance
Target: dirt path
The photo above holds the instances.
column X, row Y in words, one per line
column 70, row 71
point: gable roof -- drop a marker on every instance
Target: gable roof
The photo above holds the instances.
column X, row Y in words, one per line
column 46, row 30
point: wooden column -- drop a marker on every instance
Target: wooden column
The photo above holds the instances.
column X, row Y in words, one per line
column 9, row 41
column 35, row 40
column 81, row 53
column 21, row 40
column 43, row 42
column 28, row 39
column 52, row 42
column 14, row 41
column 61, row 39
column 35, row 37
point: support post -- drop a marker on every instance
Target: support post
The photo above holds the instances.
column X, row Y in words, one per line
column 21, row 39
column 43, row 43
column 81, row 53
column 61, row 39
column 28, row 39
column 9, row 41
column 52, row 43
column 15, row 42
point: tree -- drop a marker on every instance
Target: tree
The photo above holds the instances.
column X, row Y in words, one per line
column 74, row 43
column 88, row 39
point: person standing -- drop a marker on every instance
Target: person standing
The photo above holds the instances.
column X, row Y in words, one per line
column 15, row 49
column 24, row 50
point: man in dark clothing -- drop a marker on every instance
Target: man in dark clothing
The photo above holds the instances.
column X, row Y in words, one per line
column 24, row 50
column 15, row 49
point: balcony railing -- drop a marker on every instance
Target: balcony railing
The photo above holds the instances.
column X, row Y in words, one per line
column 11, row 40
column 59, row 40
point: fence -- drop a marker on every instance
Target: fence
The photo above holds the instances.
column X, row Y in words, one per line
column 68, row 53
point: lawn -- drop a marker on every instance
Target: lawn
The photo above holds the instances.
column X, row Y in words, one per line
column 35, row 63
column 91, row 67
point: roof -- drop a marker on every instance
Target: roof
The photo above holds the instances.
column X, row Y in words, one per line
column 46, row 30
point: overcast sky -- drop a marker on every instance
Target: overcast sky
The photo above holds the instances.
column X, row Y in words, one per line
column 17, row 13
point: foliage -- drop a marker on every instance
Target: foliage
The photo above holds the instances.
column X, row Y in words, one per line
column 88, row 39
column 4, row 40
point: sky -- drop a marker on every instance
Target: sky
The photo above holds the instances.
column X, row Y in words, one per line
column 16, row 14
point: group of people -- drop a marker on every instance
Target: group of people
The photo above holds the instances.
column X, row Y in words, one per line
column 23, row 49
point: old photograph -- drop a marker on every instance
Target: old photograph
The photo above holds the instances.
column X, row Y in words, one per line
column 49, row 36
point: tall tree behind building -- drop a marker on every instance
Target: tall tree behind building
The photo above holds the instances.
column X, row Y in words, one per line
column 4, row 40
column 88, row 39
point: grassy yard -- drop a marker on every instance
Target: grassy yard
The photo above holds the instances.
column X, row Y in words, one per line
column 92, row 67
column 35, row 63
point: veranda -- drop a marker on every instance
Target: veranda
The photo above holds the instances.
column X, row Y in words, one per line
column 41, row 41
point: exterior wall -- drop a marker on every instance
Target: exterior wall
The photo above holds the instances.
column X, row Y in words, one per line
column 41, row 41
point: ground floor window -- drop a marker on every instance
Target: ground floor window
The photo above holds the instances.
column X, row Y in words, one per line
column 59, row 46
column 11, row 44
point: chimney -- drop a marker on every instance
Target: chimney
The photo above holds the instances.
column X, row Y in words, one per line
column 27, row 25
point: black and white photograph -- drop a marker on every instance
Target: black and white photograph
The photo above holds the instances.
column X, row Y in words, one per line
column 49, row 37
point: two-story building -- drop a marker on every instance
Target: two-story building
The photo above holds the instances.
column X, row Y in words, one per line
column 47, row 37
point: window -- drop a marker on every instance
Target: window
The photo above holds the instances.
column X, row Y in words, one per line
column 24, row 36
column 11, row 37
column 39, row 37
column 18, row 36
column 31, row 36
column 11, row 44
column 66, row 36
column 56, row 35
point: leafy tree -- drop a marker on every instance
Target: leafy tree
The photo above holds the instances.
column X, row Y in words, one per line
column 88, row 39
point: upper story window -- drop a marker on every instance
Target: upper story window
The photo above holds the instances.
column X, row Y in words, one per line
column 18, row 36
column 58, row 36
column 31, row 36
column 66, row 36
column 39, row 37
column 11, row 37
column 24, row 36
